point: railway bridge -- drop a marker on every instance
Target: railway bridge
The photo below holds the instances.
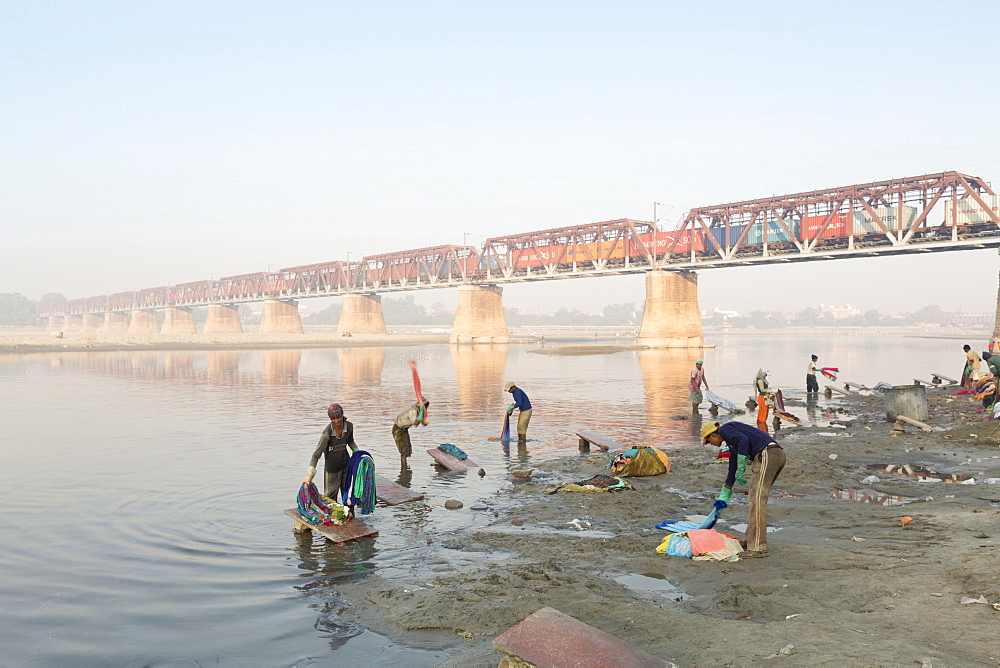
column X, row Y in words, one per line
column 947, row 211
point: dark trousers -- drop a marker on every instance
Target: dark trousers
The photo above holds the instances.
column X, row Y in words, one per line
column 811, row 384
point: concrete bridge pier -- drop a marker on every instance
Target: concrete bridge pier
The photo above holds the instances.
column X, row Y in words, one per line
column 72, row 323
column 362, row 314
column 480, row 317
column 178, row 321
column 143, row 322
column 281, row 316
column 91, row 323
column 223, row 319
column 55, row 323
column 114, row 322
column 671, row 317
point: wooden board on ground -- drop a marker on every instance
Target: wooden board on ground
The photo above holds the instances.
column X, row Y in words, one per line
column 937, row 378
column 394, row 494
column 449, row 462
column 549, row 638
column 338, row 534
column 588, row 437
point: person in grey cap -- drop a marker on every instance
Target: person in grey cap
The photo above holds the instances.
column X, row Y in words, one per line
column 523, row 405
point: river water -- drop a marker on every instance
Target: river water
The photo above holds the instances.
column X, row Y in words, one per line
column 142, row 492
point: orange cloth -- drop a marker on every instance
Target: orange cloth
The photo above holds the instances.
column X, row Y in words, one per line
column 706, row 540
column 762, row 411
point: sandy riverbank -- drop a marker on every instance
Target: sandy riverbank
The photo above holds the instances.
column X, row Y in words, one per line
column 846, row 582
column 28, row 342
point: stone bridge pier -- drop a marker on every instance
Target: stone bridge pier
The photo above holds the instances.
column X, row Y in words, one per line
column 480, row 317
column 143, row 322
column 178, row 321
column 223, row 319
column 281, row 316
column 91, row 323
column 55, row 324
column 671, row 317
column 362, row 314
column 115, row 322
column 72, row 323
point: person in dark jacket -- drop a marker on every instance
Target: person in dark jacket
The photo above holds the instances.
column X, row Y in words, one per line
column 748, row 443
column 337, row 444
column 523, row 405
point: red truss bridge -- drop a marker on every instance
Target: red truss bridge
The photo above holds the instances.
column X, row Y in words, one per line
column 936, row 212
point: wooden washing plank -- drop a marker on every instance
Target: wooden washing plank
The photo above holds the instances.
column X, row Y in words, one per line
column 338, row 534
column 588, row 437
column 394, row 494
column 451, row 463
column 937, row 378
column 551, row 639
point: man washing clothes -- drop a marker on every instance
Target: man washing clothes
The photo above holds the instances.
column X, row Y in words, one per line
column 749, row 443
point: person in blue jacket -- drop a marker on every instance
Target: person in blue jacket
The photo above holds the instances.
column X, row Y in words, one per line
column 748, row 443
column 523, row 405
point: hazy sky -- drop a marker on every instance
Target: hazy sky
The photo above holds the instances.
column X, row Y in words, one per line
column 147, row 143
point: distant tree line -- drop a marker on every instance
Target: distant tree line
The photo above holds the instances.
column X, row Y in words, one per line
column 18, row 310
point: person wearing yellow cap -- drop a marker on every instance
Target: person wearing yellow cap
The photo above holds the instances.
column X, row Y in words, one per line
column 749, row 443
column 694, row 385
column 523, row 405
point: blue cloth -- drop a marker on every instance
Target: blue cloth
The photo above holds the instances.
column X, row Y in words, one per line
column 680, row 526
column 454, row 451
column 742, row 439
column 362, row 496
column 520, row 399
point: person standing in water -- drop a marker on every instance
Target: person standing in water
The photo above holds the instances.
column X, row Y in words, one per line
column 414, row 416
column 694, row 385
column 812, row 386
column 523, row 405
column 336, row 444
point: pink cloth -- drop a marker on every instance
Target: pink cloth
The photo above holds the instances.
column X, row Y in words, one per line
column 706, row 540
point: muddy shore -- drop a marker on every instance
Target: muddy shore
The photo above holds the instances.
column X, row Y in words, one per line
column 846, row 582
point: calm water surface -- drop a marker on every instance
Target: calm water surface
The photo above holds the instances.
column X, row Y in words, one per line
column 142, row 492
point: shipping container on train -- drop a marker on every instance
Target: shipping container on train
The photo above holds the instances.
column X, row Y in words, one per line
column 775, row 232
column 243, row 286
column 120, row 301
column 189, row 292
column 969, row 211
column 149, row 297
column 836, row 229
column 865, row 224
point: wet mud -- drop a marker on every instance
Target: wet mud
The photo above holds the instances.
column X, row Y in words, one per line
column 844, row 583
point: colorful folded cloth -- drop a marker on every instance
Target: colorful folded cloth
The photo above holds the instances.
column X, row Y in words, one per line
column 706, row 540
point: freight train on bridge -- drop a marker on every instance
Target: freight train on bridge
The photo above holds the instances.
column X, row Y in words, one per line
column 936, row 212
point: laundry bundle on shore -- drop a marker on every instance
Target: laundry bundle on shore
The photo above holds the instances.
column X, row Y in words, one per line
column 641, row 461
column 702, row 545
column 599, row 483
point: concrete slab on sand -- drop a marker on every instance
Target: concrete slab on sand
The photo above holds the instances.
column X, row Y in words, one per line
column 393, row 494
column 551, row 639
